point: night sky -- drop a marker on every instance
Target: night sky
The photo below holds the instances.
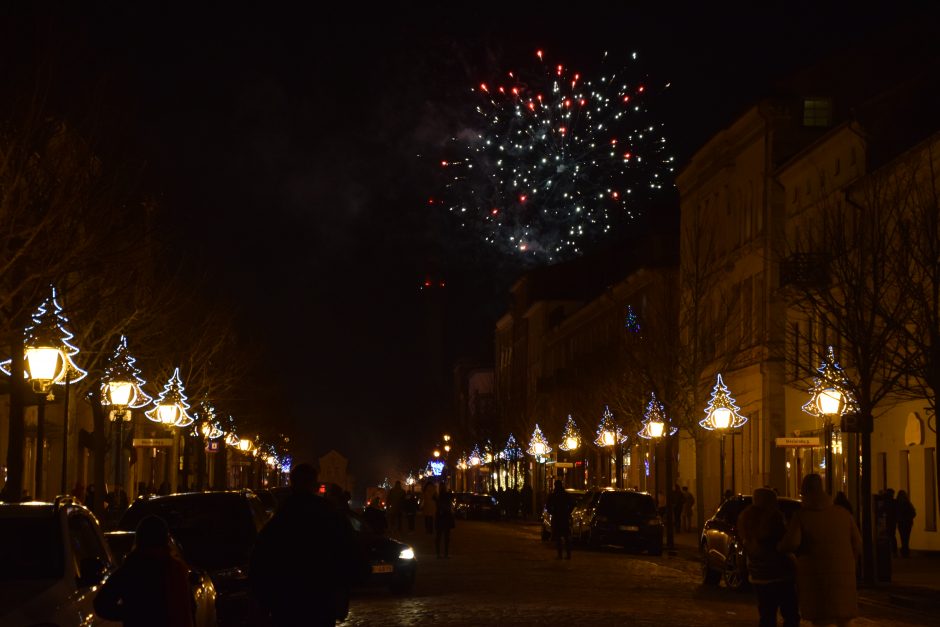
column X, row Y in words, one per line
column 292, row 153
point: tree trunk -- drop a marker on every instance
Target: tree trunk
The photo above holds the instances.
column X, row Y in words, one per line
column 868, row 553
column 13, row 489
column 101, row 449
column 699, row 482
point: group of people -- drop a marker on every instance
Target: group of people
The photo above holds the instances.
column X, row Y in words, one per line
column 435, row 505
column 682, row 503
column 804, row 566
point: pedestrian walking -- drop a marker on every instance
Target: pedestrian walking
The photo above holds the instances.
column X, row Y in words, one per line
column 444, row 521
column 891, row 519
column 905, row 514
column 827, row 544
column 411, row 509
column 559, row 507
column 771, row 572
column 526, row 500
column 395, row 506
column 843, row 501
column 677, row 500
column 305, row 558
column 429, row 506
column 151, row 587
column 688, row 501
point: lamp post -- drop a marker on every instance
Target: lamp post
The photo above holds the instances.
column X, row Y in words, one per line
column 539, row 449
column 655, row 427
column 722, row 416
column 830, row 398
column 48, row 361
column 475, row 460
column 571, row 438
column 171, row 408
column 121, row 390
column 610, row 435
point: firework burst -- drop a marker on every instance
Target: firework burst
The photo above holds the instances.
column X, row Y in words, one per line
column 558, row 160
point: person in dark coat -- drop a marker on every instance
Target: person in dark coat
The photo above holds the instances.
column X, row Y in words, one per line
column 305, row 558
column 151, row 587
column 411, row 508
column 770, row 571
column 891, row 519
column 444, row 521
column 525, row 497
column 905, row 514
column 559, row 506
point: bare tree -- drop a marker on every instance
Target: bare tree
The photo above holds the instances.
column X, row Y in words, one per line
column 848, row 242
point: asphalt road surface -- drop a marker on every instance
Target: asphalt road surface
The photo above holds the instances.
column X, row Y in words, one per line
column 502, row 574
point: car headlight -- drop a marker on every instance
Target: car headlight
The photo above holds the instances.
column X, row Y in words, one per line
column 407, row 554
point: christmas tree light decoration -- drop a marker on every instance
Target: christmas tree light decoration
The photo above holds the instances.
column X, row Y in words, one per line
column 475, row 458
column 571, row 438
column 831, row 393
column 488, row 452
column 722, row 412
column 608, row 431
column 538, row 444
column 122, row 385
column 632, row 323
column 512, row 451
column 209, row 426
column 171, row 406
column 655, row 423
column 48, row 350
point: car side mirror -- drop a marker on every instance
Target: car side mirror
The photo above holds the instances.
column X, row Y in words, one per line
column 91, row 571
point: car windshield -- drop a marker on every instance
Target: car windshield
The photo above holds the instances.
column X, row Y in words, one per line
column 30, row 548
column 618, row 504
column 215, row 531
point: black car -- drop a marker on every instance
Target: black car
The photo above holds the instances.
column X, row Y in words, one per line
column 723, row 556
column 577, row 495
column 388, row 562
column 473, row 506
column 216, row 532
column 620, row 517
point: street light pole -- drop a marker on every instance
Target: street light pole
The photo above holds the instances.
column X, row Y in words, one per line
column 830, row 398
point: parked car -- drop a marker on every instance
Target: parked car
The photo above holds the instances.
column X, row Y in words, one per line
column 473, row 506
column 388, row 562
column 723, row 556
column 200, row 584
column 620, row 517
column 577, row 495
column 53, row 556
column 216, row 532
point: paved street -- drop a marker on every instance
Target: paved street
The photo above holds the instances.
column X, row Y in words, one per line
column 500, row 573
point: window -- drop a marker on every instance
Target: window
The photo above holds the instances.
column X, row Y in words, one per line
column 817, row 112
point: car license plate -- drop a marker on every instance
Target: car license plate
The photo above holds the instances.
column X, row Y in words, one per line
column 629, row 528
column 382, row 568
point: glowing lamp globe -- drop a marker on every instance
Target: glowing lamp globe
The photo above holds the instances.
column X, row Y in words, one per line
column 121, row 393
column 244, row 445
column 168, row 414
column 436, row 453
column 447, row 448
column 538, row 448
column 608, row 438
column 44, row 364
column 656, row 429
column 830, row 402
column 572, row 443
column 721, row 418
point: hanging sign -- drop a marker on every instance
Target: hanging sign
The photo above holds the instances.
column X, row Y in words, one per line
column 798, row 442
column 148, row 442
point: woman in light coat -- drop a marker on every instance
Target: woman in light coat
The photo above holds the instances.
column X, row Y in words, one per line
column 827, row 544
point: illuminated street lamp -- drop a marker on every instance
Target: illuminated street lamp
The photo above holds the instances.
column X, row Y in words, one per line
column 436, row 453
column 655, row 427
column 571, row 438
column 171, row 407
column 722, row 416
column 830, row 398
column 538, row 448
column 609, row 435
column 121, row 390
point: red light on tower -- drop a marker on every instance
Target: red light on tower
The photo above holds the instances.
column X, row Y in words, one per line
column 531, row 106
column 483, row 87
column 522, row 198
column 494, row 212
column 640, row 89
column 444, row 164
column 538, row 53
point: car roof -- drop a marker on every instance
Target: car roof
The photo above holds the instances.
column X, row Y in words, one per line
column 36, row 509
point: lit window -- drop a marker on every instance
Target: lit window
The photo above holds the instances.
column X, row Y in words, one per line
column 817, row 112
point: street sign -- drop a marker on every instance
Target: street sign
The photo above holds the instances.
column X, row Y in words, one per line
column 798, row 442
column 148, row 442
column 213, row 446
column 564, row 465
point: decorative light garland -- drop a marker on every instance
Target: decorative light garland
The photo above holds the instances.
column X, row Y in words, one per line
column 538, row 444
column 120, row 369
column 608, row 431
column 722, row 412
column 571, row 438
column 655, row 423
column 172, row 398
column 832, row 385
